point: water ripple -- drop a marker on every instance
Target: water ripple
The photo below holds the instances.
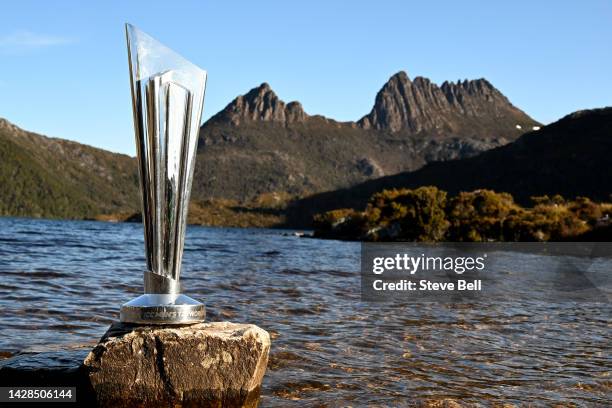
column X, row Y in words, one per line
column 62, row 282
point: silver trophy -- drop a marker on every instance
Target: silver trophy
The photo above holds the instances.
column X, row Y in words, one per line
column 167, row 97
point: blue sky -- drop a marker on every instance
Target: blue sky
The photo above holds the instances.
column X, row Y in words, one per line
column 63, row 69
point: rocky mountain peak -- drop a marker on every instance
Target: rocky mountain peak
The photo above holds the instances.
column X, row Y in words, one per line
column 261, row 104
column 400, row 76
column 466, row 95
column 421, row 105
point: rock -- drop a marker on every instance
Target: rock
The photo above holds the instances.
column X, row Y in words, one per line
column 389, row 232
column 294, row 112
column 203, row 365
column 135, row 217
column 369, row 167
column 452, row 108
column 445, row 403
column 261, row 104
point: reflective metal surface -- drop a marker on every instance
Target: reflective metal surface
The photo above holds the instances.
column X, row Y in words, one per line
column 163, row 309
column 167, row 99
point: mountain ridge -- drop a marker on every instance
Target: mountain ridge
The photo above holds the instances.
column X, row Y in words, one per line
column 399, row 105
column 256, row 145
column 421, row 105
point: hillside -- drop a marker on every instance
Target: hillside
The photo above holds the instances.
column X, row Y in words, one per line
column 55, row 178
column 570, row 157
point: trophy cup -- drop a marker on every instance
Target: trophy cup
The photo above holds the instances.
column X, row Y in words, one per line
column 167, row 99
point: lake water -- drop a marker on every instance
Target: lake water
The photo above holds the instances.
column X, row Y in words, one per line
column 62, row 282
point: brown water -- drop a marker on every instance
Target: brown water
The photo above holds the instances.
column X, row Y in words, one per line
column 63, row 282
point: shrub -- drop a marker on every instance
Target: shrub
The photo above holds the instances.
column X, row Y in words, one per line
column 417, row 214
column 425, row 214
column 544, row 223
column 479, row 215
column 586, row 210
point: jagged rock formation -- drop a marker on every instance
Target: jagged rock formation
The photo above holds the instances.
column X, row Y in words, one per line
column 259, row 144
column 261, row 104
column 472, row 107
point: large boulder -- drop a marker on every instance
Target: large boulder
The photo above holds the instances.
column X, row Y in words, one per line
column 207, row 364
column 201, row 364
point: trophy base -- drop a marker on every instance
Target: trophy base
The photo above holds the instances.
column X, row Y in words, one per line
column 163, row 309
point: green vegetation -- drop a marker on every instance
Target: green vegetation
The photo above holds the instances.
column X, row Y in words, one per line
column 419, row 213
column 54, row 178
column 427, row 214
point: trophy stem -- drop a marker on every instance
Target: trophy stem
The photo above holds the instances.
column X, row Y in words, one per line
column 156, row 284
